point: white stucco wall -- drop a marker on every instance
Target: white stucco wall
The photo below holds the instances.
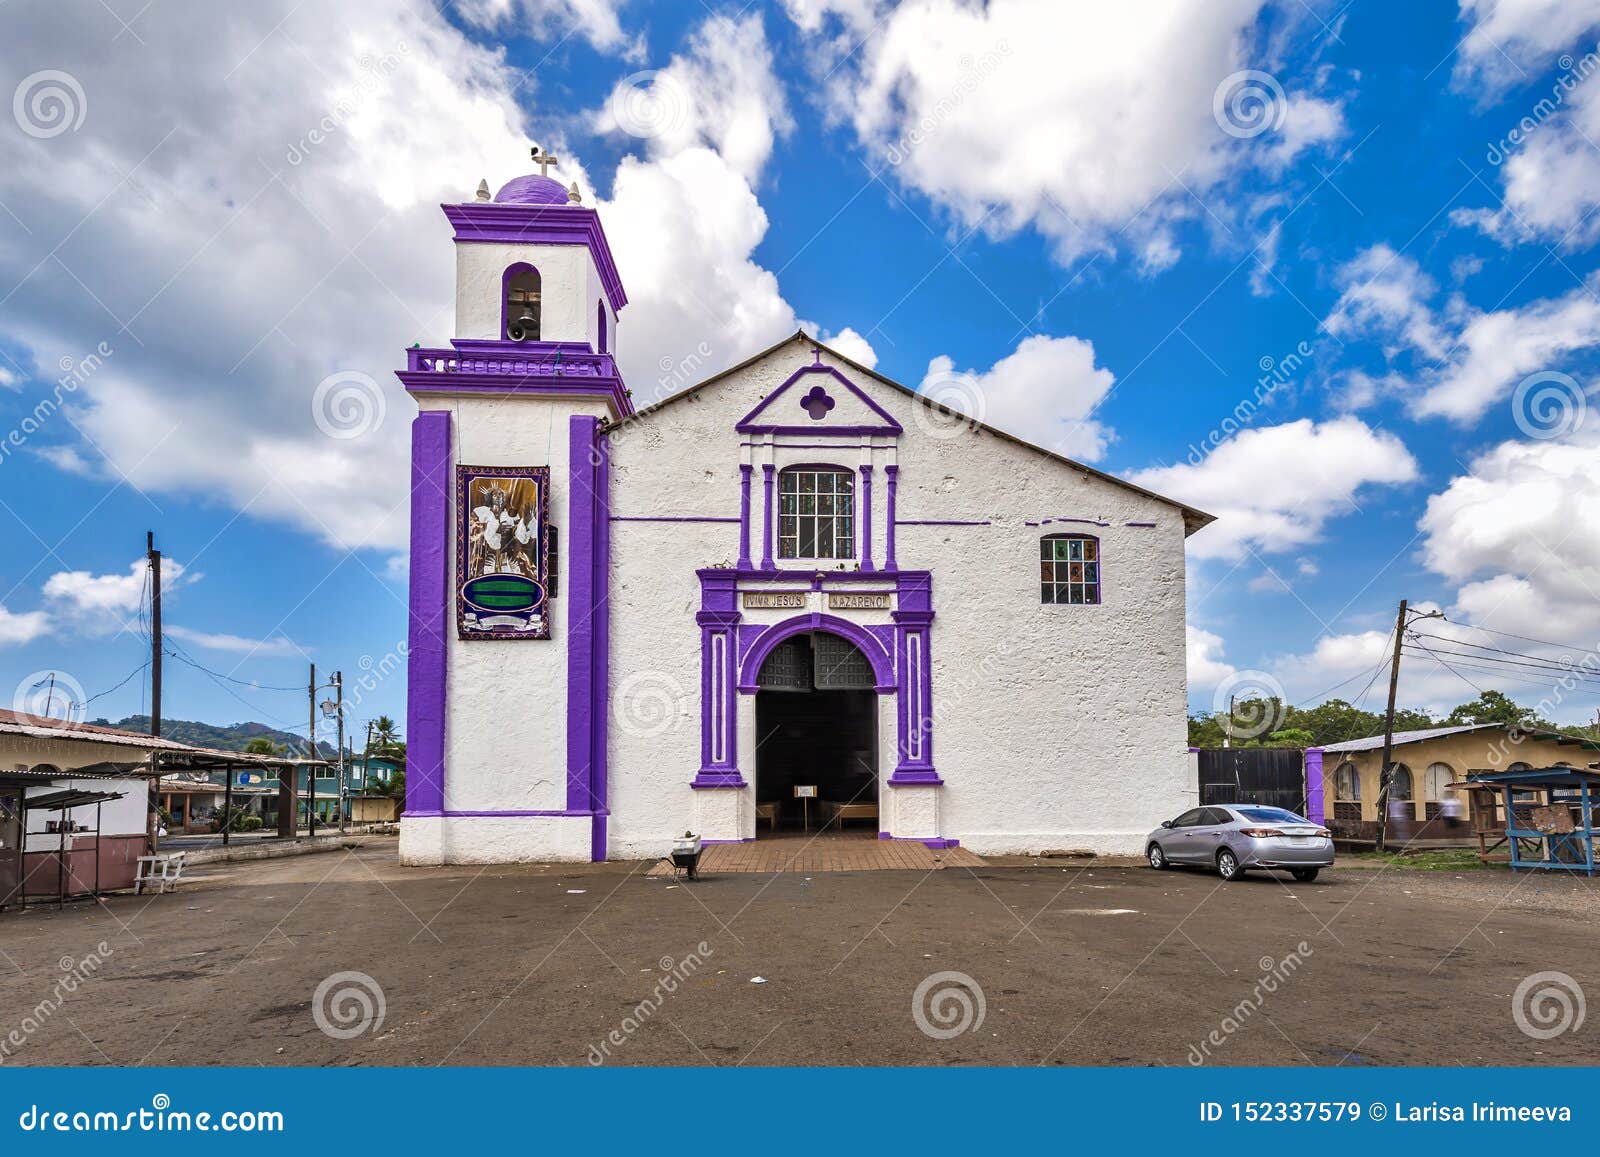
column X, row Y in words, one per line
column 569, row 287
column 505, row 741
column 1054, row 726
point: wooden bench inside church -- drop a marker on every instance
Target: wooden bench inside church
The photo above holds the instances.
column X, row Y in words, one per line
column 836, row 813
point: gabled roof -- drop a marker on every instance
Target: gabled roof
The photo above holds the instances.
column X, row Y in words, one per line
column 1193, row 519
column 1375, row 742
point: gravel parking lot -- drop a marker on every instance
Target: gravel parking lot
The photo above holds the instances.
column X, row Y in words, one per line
column 1059, row 962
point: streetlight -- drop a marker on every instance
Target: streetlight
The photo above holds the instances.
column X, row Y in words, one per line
column 333, row 708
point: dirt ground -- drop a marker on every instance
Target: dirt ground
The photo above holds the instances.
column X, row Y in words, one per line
column 1077, row 963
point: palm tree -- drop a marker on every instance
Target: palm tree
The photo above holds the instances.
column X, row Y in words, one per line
column 385, row 734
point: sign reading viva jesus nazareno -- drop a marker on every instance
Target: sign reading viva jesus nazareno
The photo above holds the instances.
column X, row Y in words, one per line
column 502, row 552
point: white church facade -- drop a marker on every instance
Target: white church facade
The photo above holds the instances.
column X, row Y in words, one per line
column 796, row 593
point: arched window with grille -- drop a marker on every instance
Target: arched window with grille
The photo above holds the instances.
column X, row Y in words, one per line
column 1347, row 783
column 1069, row 569
column 1400, row 784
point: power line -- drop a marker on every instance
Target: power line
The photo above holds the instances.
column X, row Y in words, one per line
column 185, row 658
column 1529, row 669
column 125, row 680
column 1524, row 638
column 1451, row 669
column 1535, row 662
column 1583, row 684
column 1486, row 647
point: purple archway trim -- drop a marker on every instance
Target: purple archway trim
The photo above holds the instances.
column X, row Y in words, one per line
column 520, row 224
column 1314, row 804
column 745, row 470
column 866, row 518
column 427, row 627
column 749, row 425
column 1143, row 524
column 1085, row 521
column 770, row 636
column 942, row 522
column 892, row 474
column 768, row 472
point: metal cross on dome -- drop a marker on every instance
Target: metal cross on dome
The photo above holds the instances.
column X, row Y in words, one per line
column 817, row 403
column 544, row 160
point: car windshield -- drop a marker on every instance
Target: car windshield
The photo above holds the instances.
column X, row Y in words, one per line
column 1271, row 815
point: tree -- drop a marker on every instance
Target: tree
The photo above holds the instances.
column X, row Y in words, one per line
column 261, row 745
column 385, row 735
column 1492, row 707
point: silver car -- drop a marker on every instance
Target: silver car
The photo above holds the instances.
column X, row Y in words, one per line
column 1239, row 836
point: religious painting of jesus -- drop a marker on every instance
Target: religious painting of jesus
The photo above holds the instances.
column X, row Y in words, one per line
column 502, row 560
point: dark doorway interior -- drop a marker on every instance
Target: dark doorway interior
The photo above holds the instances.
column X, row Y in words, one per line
column 812, row 731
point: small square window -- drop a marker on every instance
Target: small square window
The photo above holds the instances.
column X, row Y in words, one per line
column 1069, row 569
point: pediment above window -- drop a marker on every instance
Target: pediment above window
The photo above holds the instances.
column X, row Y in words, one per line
column 818, row 399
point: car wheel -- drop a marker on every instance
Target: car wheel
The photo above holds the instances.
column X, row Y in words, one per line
column 1305, row 875
column 1158, row 858
column 1228, row 866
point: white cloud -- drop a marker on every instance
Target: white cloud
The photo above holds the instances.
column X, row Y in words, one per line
column 1507, row 38
column 237, row 644
column 1387, row 293
column 20, row 627
column 1044, row 391
column 1276, row 487
column 596, row 21
column 257, row 224
column 106, row 601
column 1550, row 175
column 1467, row 360
column 1093, row 123
column 853, row 346
column 1207, row 668
column 721, row 92
column 1519, row 534
column 288, row 229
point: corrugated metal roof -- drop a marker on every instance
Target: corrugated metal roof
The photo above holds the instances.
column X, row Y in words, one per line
column 1375, row 742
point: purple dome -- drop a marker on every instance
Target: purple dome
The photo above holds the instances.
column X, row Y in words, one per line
column 532, row 190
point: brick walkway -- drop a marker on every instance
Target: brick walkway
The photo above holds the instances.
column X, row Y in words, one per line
column 826, row 853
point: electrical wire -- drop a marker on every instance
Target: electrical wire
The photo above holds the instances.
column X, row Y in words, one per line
column 1524, row 638
column 190, row 661
column 1532, row 662
column 125, row 679
column 1452, row 670
column 1579, row 682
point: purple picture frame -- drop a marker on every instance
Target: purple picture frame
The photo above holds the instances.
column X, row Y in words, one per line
column 465, row 476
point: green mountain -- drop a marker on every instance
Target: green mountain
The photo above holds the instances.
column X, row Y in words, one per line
column 230, row 738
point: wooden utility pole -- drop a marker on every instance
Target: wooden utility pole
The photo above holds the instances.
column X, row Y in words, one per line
column 1386, row 775
column 154, row 557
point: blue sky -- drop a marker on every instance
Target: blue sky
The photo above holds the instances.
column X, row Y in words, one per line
column 1094, row 228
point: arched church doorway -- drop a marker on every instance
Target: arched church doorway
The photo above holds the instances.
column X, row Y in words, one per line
column 816, row 738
